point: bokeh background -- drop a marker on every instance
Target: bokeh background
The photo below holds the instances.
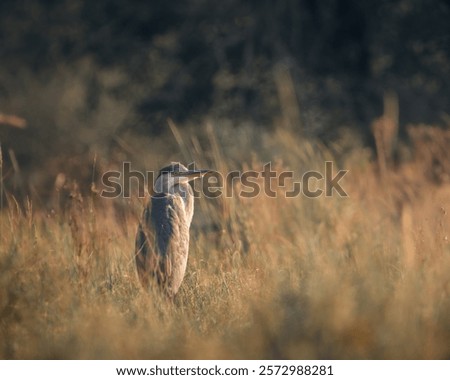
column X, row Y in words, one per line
column 89, row 77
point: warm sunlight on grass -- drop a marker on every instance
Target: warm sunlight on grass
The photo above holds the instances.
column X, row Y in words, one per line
column 328, row 278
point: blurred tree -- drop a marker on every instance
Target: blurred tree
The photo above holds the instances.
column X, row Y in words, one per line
column 188, row 59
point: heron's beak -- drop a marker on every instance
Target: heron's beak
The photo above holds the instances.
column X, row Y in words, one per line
column 192, row 174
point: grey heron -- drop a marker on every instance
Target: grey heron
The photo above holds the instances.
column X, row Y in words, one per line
column 162, row 240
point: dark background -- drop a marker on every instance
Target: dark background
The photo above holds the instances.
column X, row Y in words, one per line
column 84, row 73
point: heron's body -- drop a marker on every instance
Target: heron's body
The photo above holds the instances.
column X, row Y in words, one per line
column 162, row 240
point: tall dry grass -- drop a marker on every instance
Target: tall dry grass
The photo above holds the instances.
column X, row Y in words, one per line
column 365, row 276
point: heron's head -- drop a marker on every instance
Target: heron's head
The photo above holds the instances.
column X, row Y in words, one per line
column 176, row 173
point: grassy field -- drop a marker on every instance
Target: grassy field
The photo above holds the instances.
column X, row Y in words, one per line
column 358, row 277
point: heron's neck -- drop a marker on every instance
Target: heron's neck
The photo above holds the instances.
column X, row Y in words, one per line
column 181, row 189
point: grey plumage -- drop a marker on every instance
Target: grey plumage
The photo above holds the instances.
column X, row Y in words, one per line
column 162, row 240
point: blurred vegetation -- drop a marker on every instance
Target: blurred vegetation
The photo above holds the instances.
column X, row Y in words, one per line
column 83, row 74
column 197, row 56
column 358, row 277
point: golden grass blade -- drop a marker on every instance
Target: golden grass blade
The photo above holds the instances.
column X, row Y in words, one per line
column 185, row 151
column 13, row 121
